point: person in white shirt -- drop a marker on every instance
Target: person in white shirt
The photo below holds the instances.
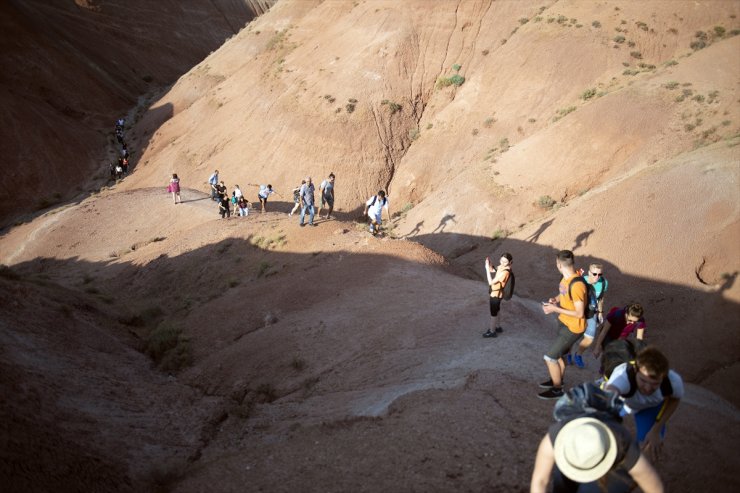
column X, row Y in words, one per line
column 374, row 210
column 652, row 392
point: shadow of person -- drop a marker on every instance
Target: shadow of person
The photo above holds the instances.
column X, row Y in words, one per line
column 536, row 235
column 582, row 239
column 443, row 222
column 416, row 230
column 727, row 281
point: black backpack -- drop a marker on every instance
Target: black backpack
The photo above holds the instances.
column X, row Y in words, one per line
column 385, row 200
column 624, row 351
column 587, row 399
column 509, row 286
column 591, row 300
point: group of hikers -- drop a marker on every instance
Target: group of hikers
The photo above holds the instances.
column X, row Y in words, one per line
column 120, row 169
column 303, row 199
column 588, row 443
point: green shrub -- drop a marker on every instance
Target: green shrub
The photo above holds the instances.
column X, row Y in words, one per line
column 671, row 85
column 636, row 54
column 168, row 347
column 488, row 123
column 719, row 31
column 504, row 143
column 414, row 133
column 619, row 39
column 546, row 202
column 394, row 107
column 455, row 80
column 263, row 268
column 499, row 233
column 596, row 24
column 562, row 112
column 588, row 94
column 456, row 67
column 523, row 21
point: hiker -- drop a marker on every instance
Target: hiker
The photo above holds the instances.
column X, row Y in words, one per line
column 570, row 304
column 237, row 192
column 175, row 188
column 223, row 206
column 651, row 392
column 112, row 170
column 496, row 284
column 234, row 200
column 264, row 193
column 243, row 205
column 119, row 171
column 124, row 165
column 124, row 151
column 307, row 201
column 297, row 198
column 620, row 323
column 597, row 286
column 374, row 210
column 327, row 195
column 221, row 191
column 213, row 182
column 591, row 447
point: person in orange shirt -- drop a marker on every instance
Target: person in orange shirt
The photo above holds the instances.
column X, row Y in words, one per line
column 497, row 280
column 570, row 304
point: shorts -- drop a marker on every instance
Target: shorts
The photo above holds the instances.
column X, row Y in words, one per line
column 645, row 419
column 327, row 200
column 495, row 305
column 376, row 219
column 562, row 344
column 262, row 199
column 590, row 328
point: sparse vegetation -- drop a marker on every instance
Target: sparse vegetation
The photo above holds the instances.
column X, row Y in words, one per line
column 430, row 126
column 488, row 123
column 619, row 39
column 563, row 112
column 546, row 202
column 636, row 54
column 671, row 85
column 596, row 24
column 504, row 144
column 168, row 347
column 350, row 107
column 263, row 267
column 719, row 31
column 414, row 133
column 499, row 234
column 455, row 80
column 641, row 25
column 523, row 21
column 712, row 96
column 671, row 63
column 588, row 94
column 394, row 107
column 532, row 120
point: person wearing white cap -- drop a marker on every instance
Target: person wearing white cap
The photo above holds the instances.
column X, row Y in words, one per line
column 587, row 449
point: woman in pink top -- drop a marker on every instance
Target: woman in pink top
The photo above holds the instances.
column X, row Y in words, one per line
column 174, row 187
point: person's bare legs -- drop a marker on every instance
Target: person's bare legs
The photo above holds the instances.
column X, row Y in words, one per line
column 585, row 344
column 295, row 208
column 174, row 197
column 557, row 371
column 494, row 323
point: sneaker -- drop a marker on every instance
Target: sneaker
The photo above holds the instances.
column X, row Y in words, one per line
column 553, row 393
column 301, row 225
column 579, row 361
column 568, row 359
column 546, row 385
column 489, row 333
column 499, row 330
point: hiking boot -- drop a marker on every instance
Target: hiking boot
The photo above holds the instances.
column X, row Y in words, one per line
column 546, row 385
column 553, row 393
column 489, row 333
column 568, row 359
column 579, row 361
column 499, row 330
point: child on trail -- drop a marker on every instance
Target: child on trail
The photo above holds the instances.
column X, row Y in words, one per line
column 374, row 210
column 297, row 198
column 496, row 283
column 243, row 205
column 174, row 188
column 326, row 189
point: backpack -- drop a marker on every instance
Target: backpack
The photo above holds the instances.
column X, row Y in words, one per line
column 591, row 300
column 385, row 200
column 624, row 351
column 587, row 399
column 508, row 291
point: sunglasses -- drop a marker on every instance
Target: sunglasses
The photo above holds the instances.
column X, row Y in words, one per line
column 595, row 274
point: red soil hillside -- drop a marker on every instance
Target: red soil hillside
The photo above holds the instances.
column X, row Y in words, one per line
column 148, row 346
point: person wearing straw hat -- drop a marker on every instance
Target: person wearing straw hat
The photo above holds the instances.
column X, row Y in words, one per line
column 591, row 449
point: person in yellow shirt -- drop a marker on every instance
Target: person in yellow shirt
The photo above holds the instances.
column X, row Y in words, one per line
column 570, row 304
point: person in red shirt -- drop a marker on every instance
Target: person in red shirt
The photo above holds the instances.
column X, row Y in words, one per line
column 620, row 323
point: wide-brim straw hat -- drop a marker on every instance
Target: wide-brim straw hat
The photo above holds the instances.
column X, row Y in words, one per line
column 585, row 449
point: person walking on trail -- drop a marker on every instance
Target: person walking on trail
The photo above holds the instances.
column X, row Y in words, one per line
column 264, row 193
column 327, row 195
column 597, row 286
column 237, row 192
column 174, row 188
column 570, row 304
column 620, row 323
column 297, row 198
column 307, row 201
column 592, row 449
column 224, row 206
column 221, row 190
column 374, row 210
column 243, row 205
column 213, row 182
column 651, row 392
column 498, row 278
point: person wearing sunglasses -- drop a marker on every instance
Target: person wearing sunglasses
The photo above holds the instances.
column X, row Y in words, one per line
column 597, row 286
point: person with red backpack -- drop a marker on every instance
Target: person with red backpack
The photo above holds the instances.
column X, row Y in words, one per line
column 499, row 279
column 570, row 305
column 651, row 392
